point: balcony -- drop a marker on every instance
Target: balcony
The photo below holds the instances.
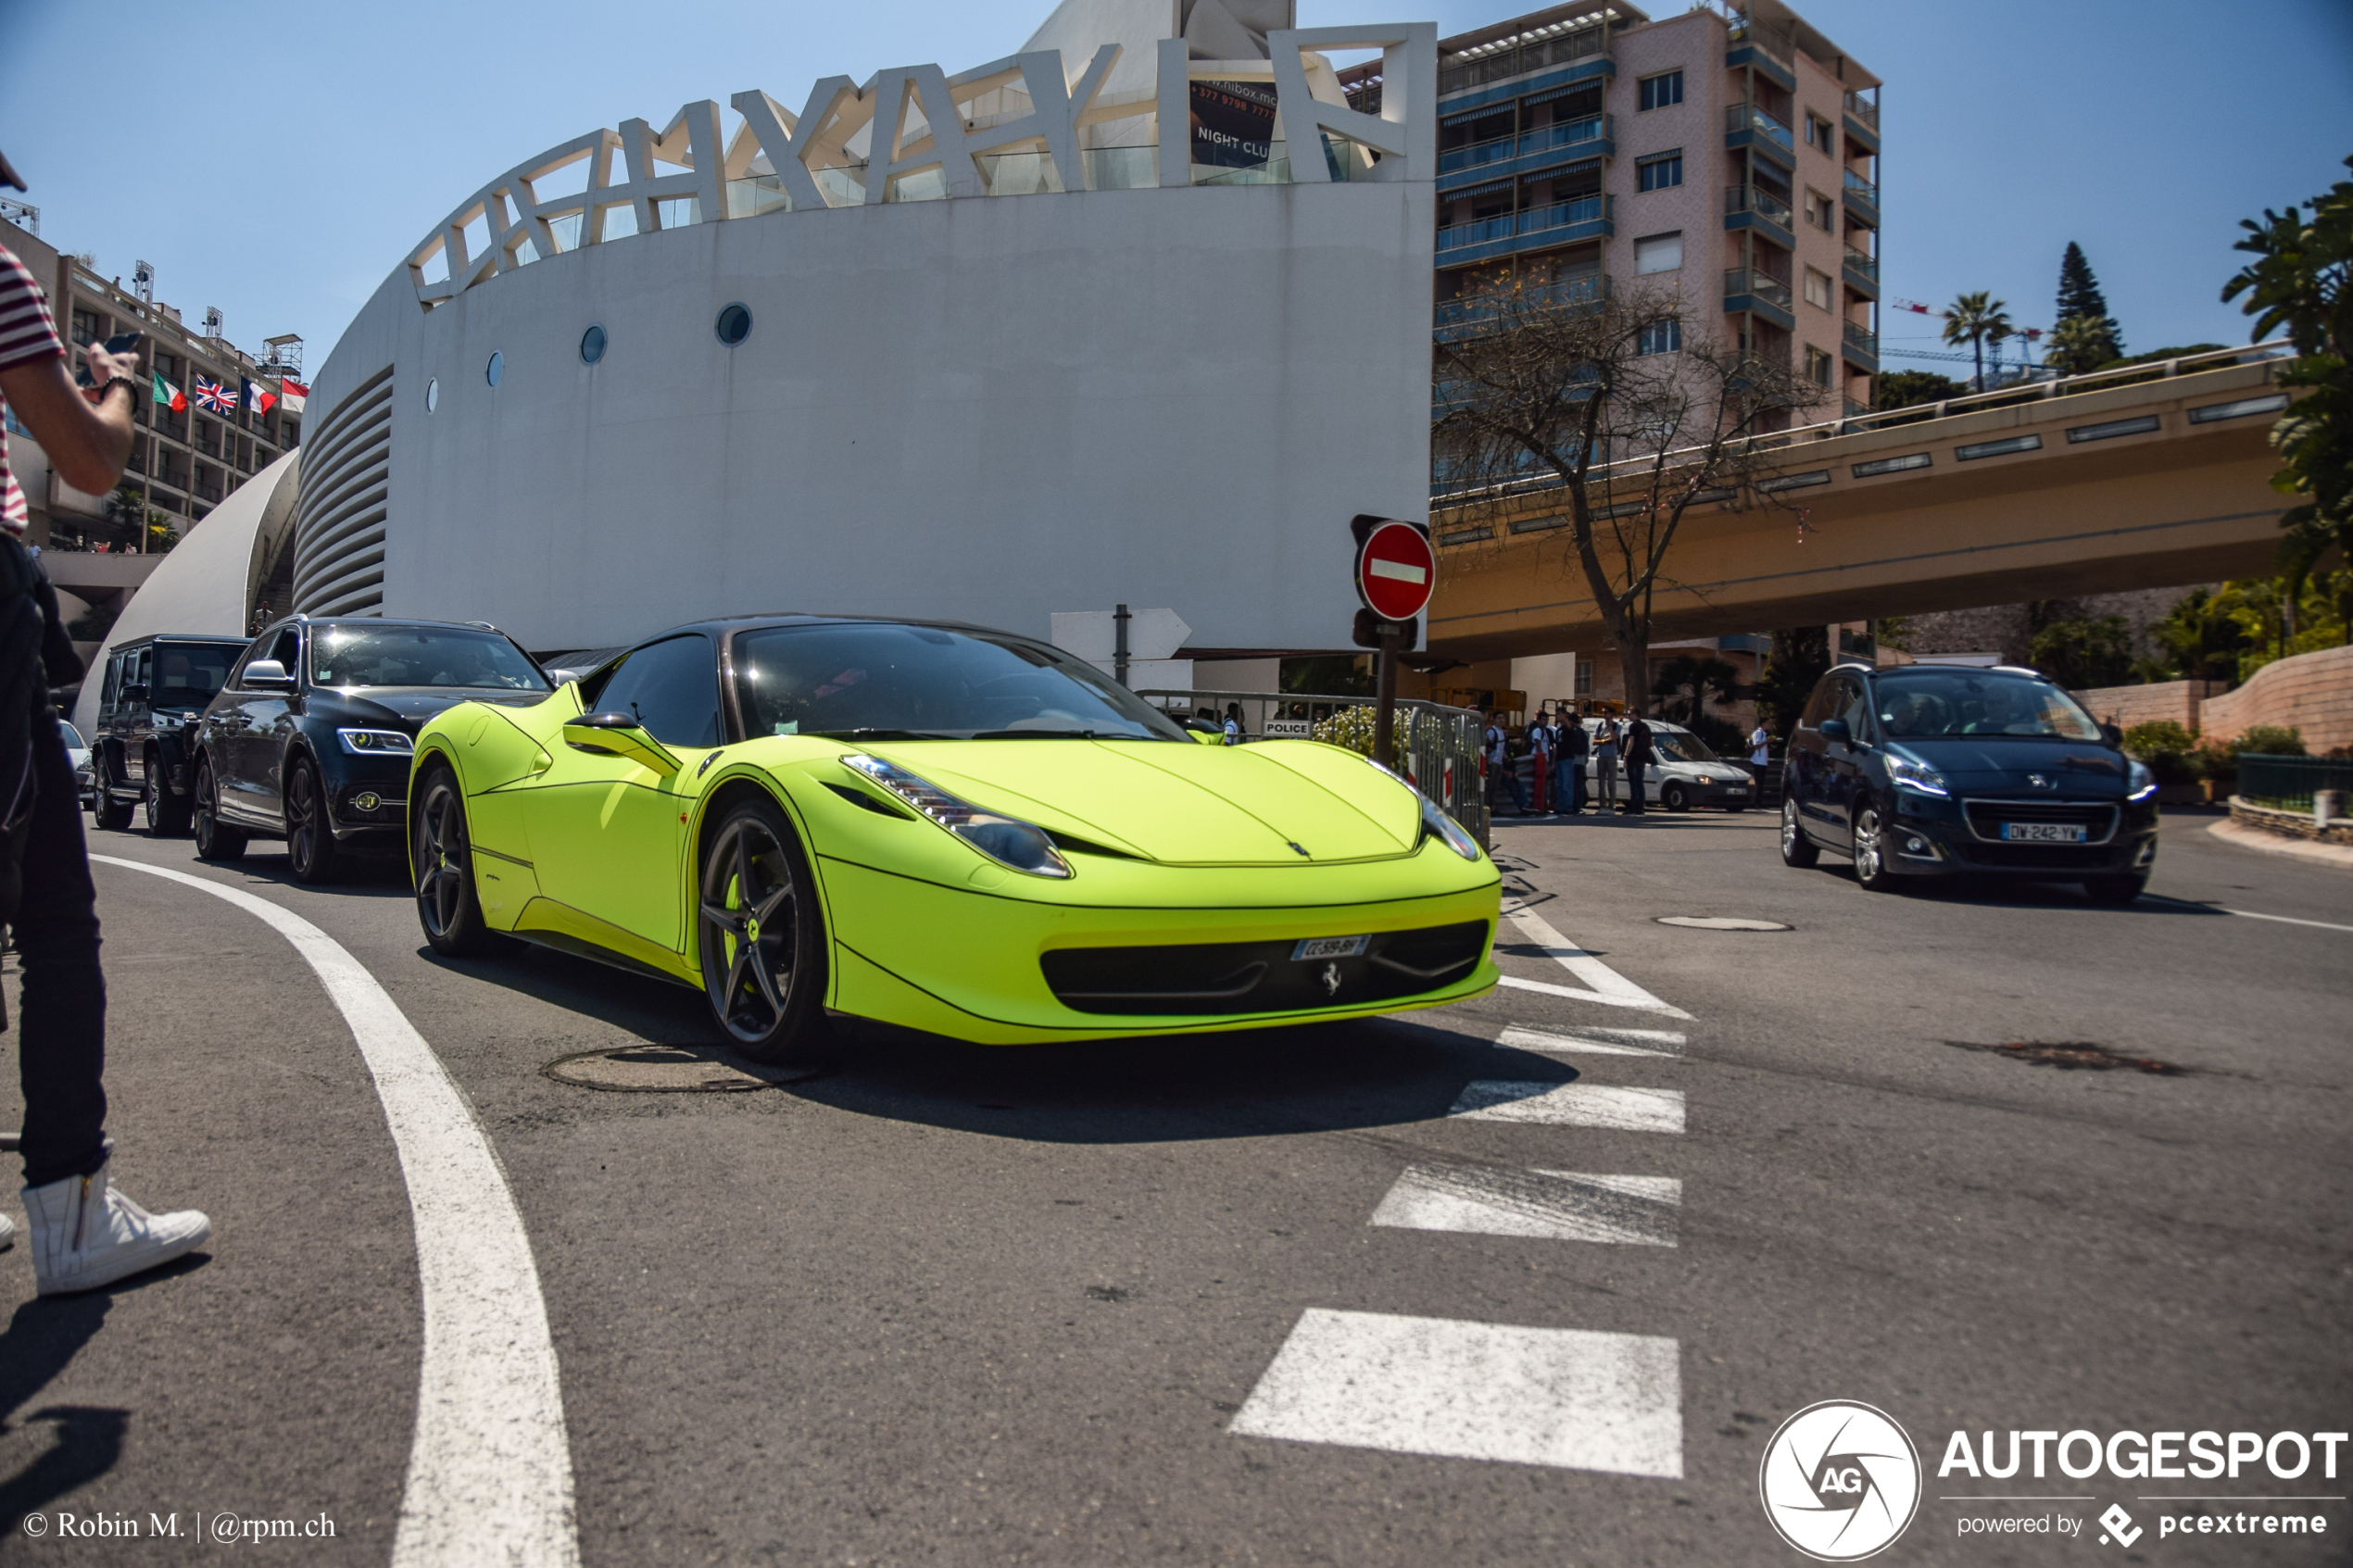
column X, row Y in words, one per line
column 1750, row 207
column 1861, row 271
column 1748, row 290
column 1458, row 320
column 1507, row 154
column 1586, row 217
column 208, row 491
column 208, row 446
column 1772, row 55
column 1860, row 345
column 1862, row 199
column 1862, row 122
column 1503, row 62
column 1747, row 126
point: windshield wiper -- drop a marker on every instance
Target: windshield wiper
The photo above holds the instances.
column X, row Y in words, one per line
column 870, row 734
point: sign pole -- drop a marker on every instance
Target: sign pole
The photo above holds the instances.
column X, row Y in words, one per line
column 1385, row 705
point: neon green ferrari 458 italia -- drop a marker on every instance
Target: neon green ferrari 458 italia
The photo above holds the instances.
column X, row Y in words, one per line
column 940, row 827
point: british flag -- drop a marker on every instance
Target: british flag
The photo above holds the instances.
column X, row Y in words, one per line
column 213, row 395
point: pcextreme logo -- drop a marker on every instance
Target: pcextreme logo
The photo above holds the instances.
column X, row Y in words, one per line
column 1840, row 1481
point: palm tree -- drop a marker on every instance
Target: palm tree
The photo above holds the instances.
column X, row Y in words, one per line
column 2081, row 343
column 1977, row 320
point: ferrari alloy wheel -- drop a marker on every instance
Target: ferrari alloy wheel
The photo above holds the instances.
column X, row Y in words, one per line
column 1870, row 852
column 214, row 839
column 1796, row 848
column 760, row 939
column 311, row 840
column 442, row 861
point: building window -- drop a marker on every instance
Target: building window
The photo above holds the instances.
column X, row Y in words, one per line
column 1660, row 91
column 1659, row 253
column 1821, row 212
column 1660, row 337
column 1818, row 133
column 1584, row 677
column 1818, row 366
column 1661, row 171
column 734, row 325
column 1818, row 289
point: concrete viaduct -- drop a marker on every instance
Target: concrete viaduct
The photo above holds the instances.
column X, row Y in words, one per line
column 2133, row 480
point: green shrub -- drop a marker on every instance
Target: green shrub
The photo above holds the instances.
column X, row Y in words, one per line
column 1353, row 727
column 2166, row 746
column 2271, row 740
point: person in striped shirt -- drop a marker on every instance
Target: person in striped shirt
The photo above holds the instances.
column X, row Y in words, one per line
column 85, row 1233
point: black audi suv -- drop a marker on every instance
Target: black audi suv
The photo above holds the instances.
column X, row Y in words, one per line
column 1931, row 769
column 311, row 739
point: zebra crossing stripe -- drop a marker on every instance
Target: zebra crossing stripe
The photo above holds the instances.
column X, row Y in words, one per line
column 1594, row 1042
column 1602, row 984
column 1549, row 1205
column 1566, row 1397
column 1571, row 1105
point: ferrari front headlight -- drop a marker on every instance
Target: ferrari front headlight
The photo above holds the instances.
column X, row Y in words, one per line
column 1024, row 846
column 1436, row 823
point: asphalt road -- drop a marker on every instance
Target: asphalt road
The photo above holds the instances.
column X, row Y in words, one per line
column 953, row 1305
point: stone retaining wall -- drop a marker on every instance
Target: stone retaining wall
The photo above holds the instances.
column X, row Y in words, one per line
column 2127, row 706
column 2312, row 691
column 2291, row 824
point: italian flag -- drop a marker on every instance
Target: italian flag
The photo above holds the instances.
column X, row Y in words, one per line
column 168, row 394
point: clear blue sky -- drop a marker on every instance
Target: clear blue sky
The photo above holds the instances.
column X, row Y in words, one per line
column 278, row 161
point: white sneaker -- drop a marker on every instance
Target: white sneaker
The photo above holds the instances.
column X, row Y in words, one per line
column 86, row 1233
column 7, row 1230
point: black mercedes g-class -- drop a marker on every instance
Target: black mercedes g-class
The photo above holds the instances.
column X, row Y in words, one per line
column 154, row 692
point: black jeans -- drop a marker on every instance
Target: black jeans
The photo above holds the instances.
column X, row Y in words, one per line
column 1634, row 785
column 61, row 1027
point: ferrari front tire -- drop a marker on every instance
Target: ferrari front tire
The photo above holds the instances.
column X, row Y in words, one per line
column 760, row 939
column 442, row 859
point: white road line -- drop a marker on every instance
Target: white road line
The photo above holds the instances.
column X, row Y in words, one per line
column 1594, row 1042
column 489, row 1470
column 1561, row 1397
column 1552, row 1205
column 1572, row 1105
column 1602, row 984
column 2284, row 919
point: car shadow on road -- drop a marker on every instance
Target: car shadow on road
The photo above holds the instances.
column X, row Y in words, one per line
column 1260, row 1083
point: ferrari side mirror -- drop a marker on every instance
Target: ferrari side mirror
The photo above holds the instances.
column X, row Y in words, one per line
column 619, row 735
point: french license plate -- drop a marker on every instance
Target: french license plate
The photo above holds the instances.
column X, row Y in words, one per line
column 2043, row 832
column 1328, row 948
column 1737, row 789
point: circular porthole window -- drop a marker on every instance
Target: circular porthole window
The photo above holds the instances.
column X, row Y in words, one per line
column 734, row 325
column 497, row 367
column 433, row 394
column 592, row 345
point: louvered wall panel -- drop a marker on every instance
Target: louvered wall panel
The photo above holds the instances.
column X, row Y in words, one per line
column 339, row 518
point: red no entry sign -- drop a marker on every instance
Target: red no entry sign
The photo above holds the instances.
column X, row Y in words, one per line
column 1395, row 570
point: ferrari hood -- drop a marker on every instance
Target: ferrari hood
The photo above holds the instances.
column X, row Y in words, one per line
column 1280, row 803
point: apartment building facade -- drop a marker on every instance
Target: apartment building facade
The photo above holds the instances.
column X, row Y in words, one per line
column 1732, row 155
column 182, row 464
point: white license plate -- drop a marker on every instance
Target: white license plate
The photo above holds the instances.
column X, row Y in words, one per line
column 2043, row 832
column 1328, row 948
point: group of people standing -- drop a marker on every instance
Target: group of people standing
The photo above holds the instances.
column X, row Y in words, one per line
column 1559, row 745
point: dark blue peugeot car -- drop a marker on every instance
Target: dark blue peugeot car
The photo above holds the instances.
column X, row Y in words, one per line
column 1932, row 770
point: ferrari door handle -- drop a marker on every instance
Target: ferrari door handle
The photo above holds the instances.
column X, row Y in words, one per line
column 542, row 762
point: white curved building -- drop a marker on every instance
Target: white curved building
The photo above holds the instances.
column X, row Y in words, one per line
column 835, row 358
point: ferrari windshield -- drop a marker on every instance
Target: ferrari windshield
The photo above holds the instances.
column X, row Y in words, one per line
column 882, row 679
column 1938, row 704
column 420, row 656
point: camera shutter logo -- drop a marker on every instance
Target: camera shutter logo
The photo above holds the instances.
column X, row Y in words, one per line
column 1840, row 1481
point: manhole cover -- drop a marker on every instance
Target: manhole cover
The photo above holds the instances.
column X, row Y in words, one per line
column 1722, row 922
column 670, row 1070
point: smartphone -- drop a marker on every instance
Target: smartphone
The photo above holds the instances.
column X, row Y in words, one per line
column 123, row 342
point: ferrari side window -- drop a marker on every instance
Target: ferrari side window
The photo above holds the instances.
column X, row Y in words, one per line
column 671, row 687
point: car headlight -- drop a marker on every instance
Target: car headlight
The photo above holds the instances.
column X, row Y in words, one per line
column 1007, row 840
column 2139, row 782
column 1436, row 823
column 1706, row 779
column 1909, row 774
column 376, row 743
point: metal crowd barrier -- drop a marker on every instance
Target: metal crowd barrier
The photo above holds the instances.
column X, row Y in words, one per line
column 1440, row 754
